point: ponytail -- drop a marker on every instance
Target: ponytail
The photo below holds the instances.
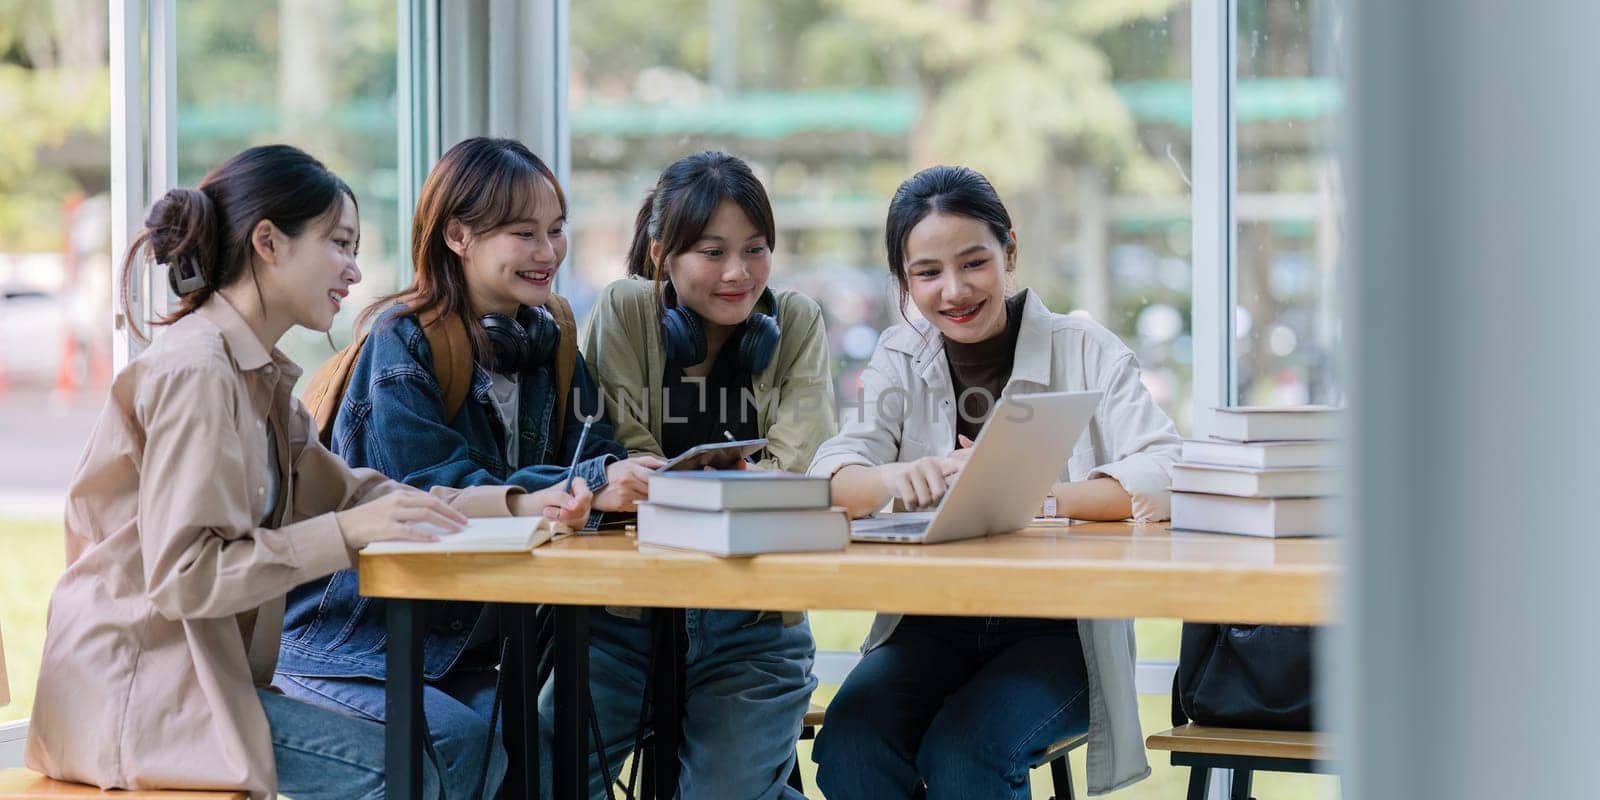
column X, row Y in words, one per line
column 203, row 234
column 639, row 264
column 181, row 232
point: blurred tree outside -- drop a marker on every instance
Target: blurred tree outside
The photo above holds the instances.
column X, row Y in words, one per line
column 55, row 98
column 1027, row 92
column 1022, row 92
column 320, row 76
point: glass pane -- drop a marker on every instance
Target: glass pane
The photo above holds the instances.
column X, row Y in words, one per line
column 320, row 76
column 1078, row 112
column 1290, row 201
column 55, row 290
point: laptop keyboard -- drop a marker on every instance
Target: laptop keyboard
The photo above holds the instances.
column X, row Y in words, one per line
column 875, row 526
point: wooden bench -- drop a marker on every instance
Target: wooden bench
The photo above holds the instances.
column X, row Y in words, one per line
column 1055, row 756
column 25, row 784
column 1202, row 748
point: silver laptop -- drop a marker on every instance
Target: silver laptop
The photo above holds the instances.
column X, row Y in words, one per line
column 1019, row 455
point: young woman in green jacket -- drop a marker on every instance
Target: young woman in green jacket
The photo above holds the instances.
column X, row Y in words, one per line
column 694, row 347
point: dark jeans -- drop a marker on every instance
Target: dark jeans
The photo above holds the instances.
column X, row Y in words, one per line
column 747, row 683
column 457, row 709
column 965, row 705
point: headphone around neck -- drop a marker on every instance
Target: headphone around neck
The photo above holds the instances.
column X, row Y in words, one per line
column 685, row 338
column 516, row 345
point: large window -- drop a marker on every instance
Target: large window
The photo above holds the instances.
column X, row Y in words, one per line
column 317, row 75
column 55, row 288
column 1289, row 208
column 1076, row 111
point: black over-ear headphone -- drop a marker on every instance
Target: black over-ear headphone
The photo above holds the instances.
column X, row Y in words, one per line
column 518, row 344
column 685, row 338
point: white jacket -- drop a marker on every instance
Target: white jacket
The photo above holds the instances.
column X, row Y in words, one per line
column 907, row 411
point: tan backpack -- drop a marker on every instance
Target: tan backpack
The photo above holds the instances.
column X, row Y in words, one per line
column 452, row 368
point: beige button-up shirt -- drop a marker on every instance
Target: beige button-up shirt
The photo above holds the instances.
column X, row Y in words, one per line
column 168, row 615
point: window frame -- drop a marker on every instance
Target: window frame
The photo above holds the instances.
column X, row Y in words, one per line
column 1213, row 198
column 144, row 148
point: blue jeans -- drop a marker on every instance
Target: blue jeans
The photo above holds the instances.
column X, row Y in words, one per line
column 326, row 755
column 747, row 684
column 963, row 705
column 457, row 709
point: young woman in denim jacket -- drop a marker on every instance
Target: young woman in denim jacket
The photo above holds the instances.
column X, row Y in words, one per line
column 679, row 347
column 204, row 495
column 488, row 237
column 965, row 705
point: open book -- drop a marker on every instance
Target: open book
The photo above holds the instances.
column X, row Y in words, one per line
column 482, row 535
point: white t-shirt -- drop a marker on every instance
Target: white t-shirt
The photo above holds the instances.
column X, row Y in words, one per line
column 505, row 396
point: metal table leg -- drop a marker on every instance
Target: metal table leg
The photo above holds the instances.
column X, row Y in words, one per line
column 667, row 641
column 571, row 765
column 403, row 710
column 520, row 702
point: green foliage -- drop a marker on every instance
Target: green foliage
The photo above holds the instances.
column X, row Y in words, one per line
column 54, row 89
column 35, row 556
column 1016, row 85
column 636, row 36
column 1013, row 87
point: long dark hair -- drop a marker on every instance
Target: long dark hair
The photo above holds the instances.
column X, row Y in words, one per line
column 961, row 191
column 205, row 231
column 677, row 211
column 485, row 183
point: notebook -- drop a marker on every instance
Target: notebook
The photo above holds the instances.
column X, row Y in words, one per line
column 482, row 535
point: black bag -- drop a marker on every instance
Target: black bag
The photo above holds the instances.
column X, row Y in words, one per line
column 1245, row 676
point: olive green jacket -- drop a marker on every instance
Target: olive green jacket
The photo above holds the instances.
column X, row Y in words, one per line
column 793, row 395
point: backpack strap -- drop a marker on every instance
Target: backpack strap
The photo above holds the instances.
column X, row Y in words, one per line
column 325, row 393
column 452, row 360
column 566, row 359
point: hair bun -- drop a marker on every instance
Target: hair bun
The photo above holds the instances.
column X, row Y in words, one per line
column 182, row 224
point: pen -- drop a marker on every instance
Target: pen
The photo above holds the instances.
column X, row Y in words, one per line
column 577, row 454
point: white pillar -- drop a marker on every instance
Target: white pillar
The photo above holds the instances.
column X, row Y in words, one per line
column 1475, row 196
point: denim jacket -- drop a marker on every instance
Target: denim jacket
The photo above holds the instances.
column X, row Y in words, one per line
column 392, row 420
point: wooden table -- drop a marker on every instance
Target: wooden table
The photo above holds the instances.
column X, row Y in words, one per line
column 1085, row 570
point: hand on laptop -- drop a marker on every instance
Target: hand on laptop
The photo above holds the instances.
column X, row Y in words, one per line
column 962, row 453
column 922, row 483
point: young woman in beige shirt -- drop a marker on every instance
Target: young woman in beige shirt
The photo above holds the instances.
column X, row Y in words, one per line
column 203, row 496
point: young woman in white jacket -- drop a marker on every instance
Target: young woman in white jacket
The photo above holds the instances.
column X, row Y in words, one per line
column 965, row 705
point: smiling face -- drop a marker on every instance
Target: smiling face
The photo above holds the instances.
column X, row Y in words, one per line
column 311, row 274
column 723, row 273
column 514, row 264
column 955, row 274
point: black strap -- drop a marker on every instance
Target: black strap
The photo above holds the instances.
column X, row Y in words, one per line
column 494, row 718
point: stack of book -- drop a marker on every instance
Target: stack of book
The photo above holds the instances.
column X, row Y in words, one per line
column 1264, row 472
column 742, row 513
